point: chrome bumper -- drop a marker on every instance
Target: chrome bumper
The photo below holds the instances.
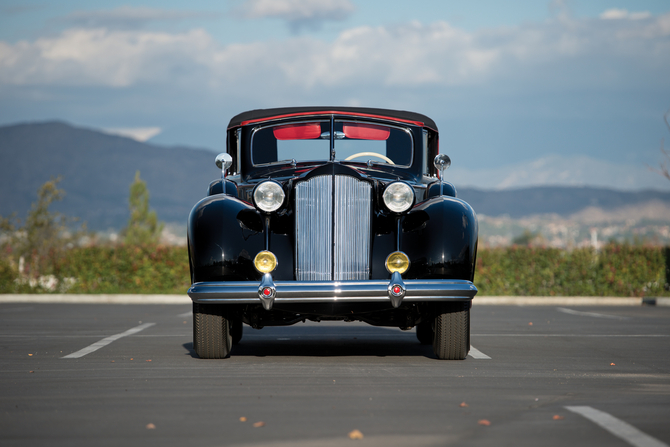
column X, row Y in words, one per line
column 247, row 292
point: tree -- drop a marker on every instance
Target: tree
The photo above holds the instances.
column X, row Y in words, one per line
column 143, row 227
column 664, row 171
column 38, row 243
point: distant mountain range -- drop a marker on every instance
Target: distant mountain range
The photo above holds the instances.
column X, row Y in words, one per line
column 97, row 170
column 563, row 170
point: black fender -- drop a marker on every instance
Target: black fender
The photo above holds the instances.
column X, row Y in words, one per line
column 440, row 238
column 224, row 235
column 440, row 188
column 217, row 187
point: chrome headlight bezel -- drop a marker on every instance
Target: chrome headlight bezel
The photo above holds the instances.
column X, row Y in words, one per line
column 398, row 197
column 268, row 196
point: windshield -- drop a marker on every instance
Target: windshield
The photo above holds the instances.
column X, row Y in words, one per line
column 310, row 141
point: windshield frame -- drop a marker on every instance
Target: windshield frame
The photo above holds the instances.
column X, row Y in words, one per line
column 325, row 119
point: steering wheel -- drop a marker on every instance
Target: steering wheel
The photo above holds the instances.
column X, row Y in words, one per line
column 370, row 154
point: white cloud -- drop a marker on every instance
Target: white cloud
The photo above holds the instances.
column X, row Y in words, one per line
column 136, row 133
column 618, row 14
column 360, row 63
column 298, row 13
column 104, row 58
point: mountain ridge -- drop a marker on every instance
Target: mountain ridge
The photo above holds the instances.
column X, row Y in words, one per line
column 97, row 169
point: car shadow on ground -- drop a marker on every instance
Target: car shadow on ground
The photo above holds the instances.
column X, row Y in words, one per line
column 327, row 342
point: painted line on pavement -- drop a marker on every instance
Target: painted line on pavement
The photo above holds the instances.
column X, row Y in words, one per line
column 589, row 314
column 617, row 427
column 105, row 341
column 575, row 335
column 185, row 314
column 477, row 354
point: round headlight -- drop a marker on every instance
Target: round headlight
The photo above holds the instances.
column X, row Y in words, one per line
column 397, row 262
column 265, row 262
column 268, row 196
column 398, row 197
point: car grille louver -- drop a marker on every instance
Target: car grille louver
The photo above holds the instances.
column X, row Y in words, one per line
column 332, row 224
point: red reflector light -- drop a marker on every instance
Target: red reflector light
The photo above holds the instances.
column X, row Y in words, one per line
column 396, row 289
column 306, row 131
column 366, row 131
column 267, row 291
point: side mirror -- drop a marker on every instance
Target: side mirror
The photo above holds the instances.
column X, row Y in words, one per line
column 223, row 162
column 442, row 163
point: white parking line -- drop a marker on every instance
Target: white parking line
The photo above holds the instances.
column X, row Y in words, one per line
column 617, row 427
column 105, row 341
column 589, row 314
column 477, row 354
column 186, row 314
column 577, row 335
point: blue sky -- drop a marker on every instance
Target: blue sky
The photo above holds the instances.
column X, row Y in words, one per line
column 524, row 92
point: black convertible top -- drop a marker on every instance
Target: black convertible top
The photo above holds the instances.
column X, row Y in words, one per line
column 258, row 115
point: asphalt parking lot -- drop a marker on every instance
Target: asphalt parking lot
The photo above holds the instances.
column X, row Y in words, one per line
column 99, row 374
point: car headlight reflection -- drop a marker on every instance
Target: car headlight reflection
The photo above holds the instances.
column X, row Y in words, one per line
column 269, row 196
column 398, row 197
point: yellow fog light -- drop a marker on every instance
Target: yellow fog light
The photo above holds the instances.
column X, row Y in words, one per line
column 265, row 262
column 397, row 262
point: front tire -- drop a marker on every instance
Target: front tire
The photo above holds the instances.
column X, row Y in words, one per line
column 212, row 338
column 452, row 331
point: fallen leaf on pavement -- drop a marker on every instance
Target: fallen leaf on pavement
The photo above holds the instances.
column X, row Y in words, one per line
column 31, row 371
column 463, row 404
column 355, row 435
column 530, row 324
column 484, row 422
column 259, row 424
column 149, row 360
column 30, row 355
column 243, row 419
column 151, row 426
column 558, row 417
column 612, row 364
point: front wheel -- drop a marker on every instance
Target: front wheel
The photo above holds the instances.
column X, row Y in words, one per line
column 452, row 331
column 212, row 338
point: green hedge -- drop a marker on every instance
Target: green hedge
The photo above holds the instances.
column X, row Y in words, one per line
column 616, row 270
column 111, row 269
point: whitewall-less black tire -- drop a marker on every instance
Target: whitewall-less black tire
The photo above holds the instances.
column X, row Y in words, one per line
column 212, row 338
column 452, row 331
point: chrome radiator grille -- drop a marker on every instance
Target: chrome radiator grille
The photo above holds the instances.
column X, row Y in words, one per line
column 332, row 227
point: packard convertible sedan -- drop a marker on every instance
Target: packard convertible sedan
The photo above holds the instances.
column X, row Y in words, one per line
column 332, row 213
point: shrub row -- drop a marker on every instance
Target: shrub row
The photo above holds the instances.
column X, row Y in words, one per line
column 110, row 269
column 616, row 270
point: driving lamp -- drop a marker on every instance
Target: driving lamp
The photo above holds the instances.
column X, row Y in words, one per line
column 269, row 196
column 398, row 197
column 397, row 262
column 265, row 262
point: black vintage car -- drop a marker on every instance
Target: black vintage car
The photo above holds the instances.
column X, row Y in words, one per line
column 332, row 213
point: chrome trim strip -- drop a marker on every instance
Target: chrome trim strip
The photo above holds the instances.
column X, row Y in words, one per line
column 246, row 292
